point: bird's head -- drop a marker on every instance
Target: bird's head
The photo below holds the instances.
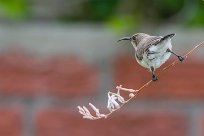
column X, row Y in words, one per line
column 135, row 39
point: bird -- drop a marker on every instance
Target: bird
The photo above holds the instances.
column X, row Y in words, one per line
column 152, row 51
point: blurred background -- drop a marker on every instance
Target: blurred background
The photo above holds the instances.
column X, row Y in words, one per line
column 58, row 54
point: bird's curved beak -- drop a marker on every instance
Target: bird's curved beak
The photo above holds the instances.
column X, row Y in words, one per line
column 124, row 38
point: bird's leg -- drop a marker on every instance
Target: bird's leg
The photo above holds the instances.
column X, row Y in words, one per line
column 154, row 77
column 179, row 57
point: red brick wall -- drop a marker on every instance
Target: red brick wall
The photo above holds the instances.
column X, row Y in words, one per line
column 38, row 97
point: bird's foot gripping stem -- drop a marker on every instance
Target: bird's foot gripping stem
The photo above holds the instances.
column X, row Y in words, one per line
column 181, row 58
column 154, row 78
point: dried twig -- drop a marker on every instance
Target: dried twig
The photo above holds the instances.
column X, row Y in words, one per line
column 116, row 101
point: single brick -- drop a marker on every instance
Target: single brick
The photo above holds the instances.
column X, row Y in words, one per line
column 184, row 80
column 22, row 74
column 10, row 122
column 62, row 122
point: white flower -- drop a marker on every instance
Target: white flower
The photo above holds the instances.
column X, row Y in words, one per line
column 98, row 114
column 131, row 95
column 119, row 97
column 115, row 101
column 112, row 103
column 85, row 112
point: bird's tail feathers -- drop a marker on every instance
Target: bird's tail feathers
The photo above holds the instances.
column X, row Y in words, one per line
column 167, row 36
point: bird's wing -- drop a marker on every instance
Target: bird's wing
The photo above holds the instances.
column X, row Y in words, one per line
column 143, row 46
column 154, row 40
column 151, row 40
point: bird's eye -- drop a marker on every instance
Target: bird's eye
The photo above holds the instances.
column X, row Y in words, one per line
column 133, row 38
